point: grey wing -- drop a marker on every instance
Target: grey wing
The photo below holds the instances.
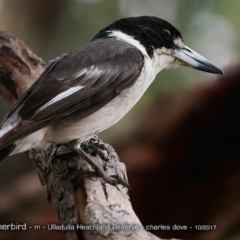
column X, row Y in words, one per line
column 82, row 81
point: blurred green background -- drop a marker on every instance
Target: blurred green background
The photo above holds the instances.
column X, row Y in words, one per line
column 53, row 27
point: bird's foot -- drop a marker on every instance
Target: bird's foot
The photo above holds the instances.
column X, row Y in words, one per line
column 93, row 147
column 96, row 149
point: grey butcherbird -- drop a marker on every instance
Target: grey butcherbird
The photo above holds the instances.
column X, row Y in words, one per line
column 91, row 88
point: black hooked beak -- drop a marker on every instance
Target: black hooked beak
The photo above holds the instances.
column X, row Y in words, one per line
column 190, row 58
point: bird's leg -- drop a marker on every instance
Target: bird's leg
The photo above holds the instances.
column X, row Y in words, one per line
column 113, row 180
column 64, row 152
column 73, row 149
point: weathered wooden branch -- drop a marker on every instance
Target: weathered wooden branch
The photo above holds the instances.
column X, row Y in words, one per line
column 77, row 199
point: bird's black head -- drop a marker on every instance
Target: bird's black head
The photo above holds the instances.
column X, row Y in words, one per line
column 159, row 39
column 151, row 32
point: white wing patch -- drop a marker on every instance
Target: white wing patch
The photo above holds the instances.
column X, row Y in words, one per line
column 5, row 129
column 59, row 97
column 10, row 123
column 82, row 72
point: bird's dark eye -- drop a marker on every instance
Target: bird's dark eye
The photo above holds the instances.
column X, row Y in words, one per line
column 167, row 34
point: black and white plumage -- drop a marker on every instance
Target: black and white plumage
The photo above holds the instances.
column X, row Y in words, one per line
column 90, row 89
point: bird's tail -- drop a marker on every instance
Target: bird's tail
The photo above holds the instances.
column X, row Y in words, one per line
column 6, row 130
column 4, row 152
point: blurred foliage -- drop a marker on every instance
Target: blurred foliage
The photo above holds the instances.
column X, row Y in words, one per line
column 52, row 27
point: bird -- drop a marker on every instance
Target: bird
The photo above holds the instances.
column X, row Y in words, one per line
column 91, row 88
